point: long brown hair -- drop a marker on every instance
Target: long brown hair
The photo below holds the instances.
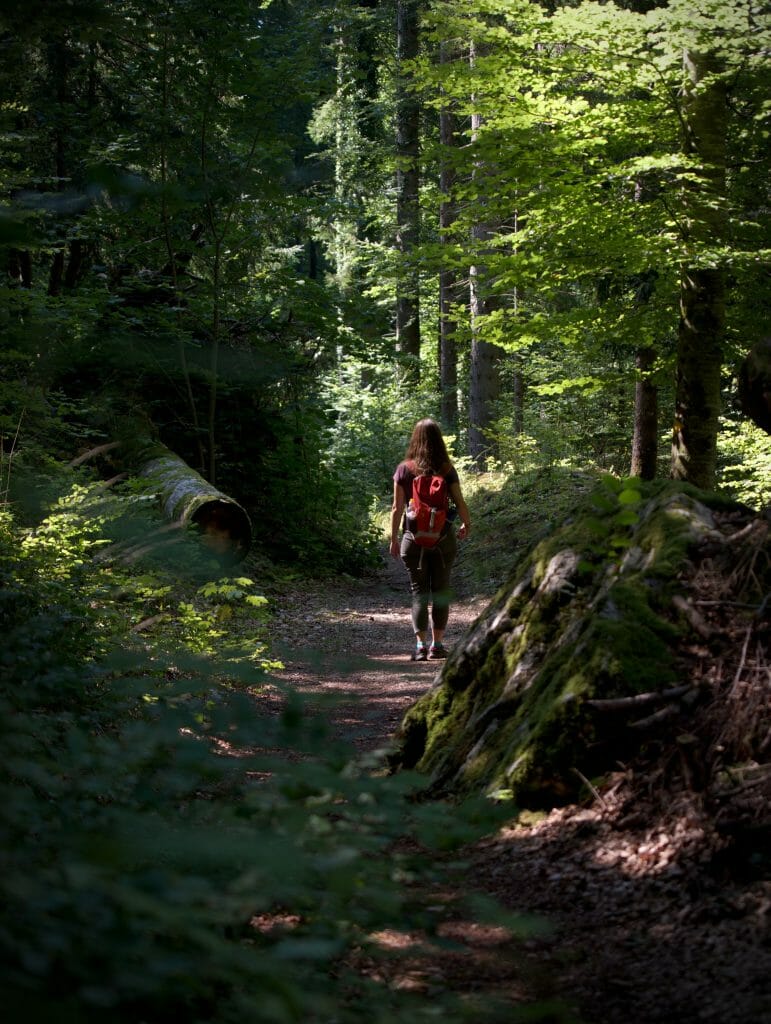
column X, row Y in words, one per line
column 427, row 448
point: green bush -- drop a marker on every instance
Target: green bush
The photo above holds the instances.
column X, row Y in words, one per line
column 169, row 850
column 744, row 462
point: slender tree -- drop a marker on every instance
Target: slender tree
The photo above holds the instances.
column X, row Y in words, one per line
column 407, row 186
column 646, row 417
column 701, row 332
column 484, row 382
column 449, row 285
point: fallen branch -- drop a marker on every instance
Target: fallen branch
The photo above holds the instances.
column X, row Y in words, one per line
column 147, row 623
column 656, row 718
column 735, row 538
column 118, row 478
column 742, row 660
column 592, row 789
column 93, row 452
column 640, row 700
column 696, row 621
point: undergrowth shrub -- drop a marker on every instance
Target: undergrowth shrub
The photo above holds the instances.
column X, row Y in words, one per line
column 306, row 510
column 170, row 851
column 744, row 462
column 372, row 416
column 510, row 513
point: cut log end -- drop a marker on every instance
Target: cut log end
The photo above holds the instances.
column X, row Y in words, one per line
column 224, row 528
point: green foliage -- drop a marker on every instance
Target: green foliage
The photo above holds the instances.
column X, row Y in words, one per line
column 744, row 463
column 511, row 513
column 586, row 196
column 373, row 414
column 308, row 511
column 169, row 849
column 169, row 283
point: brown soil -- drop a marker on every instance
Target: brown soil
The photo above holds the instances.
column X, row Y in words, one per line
column 657, row 893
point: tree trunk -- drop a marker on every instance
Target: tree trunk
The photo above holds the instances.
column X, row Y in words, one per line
column 754, row 384
column 407, row 189
column 59, row 62
column 646, row 418
column 56, row 273
column 20, row 268
column 448, row 282
column 76, row 264
column 702, row 291
column 519, row 397
column 484, row 384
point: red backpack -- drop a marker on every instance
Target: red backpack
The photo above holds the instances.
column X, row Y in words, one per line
column 427, row 510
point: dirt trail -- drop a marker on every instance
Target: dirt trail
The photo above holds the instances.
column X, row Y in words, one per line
column 652, row 923
column 351, row 640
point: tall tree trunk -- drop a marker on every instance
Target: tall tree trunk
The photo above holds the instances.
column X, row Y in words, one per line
column 20, row 267
column 448, row 279
column 702, row 290
column 518, row 379
column 484, row 384
column 76, row 264
column 59, row 61
column 56, row 273
column 343, row 230
column 172, row 265
column 407, row 189
column 646, row 418
column 518, row 396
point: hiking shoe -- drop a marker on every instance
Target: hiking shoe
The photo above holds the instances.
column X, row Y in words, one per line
column 437, row 651
column 420, row 653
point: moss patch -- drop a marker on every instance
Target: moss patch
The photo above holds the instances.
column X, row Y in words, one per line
column 587, row 615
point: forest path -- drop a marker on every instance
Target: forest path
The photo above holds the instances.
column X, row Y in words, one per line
column 650, row 925
column 346, row 643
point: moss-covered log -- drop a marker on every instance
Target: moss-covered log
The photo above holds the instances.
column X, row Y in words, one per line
column 589, row 617
column 188, row 499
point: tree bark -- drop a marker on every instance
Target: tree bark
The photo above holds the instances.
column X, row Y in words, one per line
column 646, row 418
column 754, row 384
column 484, row 384
column 59, row 62
column 20, row 268
column 448, row 280
column 56, row 273
column 76, row 264
column 407, row 189
column 702, row 291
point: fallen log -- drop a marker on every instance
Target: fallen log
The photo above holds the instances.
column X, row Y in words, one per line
column 190, row 500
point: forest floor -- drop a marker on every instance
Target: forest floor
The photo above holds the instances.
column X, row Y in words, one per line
column 655, row 915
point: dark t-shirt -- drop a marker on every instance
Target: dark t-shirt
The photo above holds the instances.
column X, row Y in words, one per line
column 404, row 477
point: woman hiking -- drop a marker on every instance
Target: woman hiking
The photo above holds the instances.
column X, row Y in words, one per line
column 428, row 559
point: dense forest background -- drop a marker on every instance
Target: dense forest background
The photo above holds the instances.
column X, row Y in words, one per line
column 269, row 237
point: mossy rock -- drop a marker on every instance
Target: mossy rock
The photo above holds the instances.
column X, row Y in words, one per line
column 586, row 616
